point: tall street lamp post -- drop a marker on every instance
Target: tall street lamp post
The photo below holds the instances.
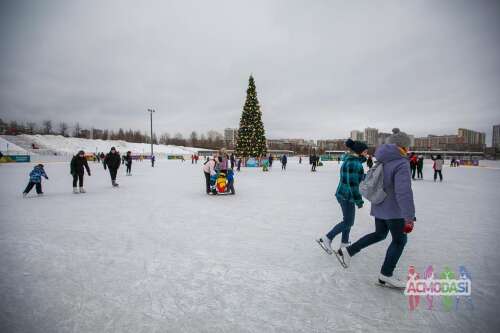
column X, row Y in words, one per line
column 151, row 119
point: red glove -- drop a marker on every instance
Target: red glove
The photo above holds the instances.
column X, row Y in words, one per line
column 408, row 226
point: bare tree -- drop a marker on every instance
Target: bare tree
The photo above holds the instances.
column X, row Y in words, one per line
column 76, row 133
column 165, row 139
column 63, row 128
column 47, row 126
column 193, row 139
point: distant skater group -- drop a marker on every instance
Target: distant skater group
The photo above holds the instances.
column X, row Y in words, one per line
column 219, row 174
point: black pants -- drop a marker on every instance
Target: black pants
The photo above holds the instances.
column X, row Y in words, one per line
column 112, row 173
column 313, row 168
column 230, row 186
column 283, row 166
column 420, row 174
column 129, row 168
column 207, row 181
column 30, row 186
column 395, row 249
column 436, row 172
column 79, row 177
column 413, row 170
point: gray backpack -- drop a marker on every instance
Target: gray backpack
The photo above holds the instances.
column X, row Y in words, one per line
column 372, row 187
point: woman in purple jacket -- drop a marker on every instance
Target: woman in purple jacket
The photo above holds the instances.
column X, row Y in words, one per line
column 395, row 214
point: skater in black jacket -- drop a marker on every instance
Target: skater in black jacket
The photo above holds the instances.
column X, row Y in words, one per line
column 103, row 157
column 369, row 162
column 284, row 160
column 314, row 162
column 128, row 162
column 78, row 162
column 112, row 161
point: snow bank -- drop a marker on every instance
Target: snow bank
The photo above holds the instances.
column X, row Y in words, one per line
column 69, row 146
column 7, row 147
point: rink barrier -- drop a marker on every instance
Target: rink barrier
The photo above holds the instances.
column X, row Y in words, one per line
column 15, row 159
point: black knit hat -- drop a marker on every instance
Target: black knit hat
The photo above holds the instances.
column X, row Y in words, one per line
column 81, row 152
column 356, row 146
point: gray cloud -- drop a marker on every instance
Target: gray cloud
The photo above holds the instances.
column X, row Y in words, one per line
column 322, row 68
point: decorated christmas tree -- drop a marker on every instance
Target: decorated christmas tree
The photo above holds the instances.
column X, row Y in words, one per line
column 251, row 137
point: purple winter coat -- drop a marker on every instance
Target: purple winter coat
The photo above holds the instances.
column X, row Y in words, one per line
column 397, row 184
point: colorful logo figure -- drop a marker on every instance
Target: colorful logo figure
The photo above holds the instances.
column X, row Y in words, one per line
column 447, row 274
column 413, row 276
column 451, row 288
column 429, row 277
column 464, row 275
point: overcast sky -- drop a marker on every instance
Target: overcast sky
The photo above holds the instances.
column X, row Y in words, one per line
column 321, row 68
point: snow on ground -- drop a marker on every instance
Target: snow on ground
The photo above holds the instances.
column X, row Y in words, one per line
column 7, row 147
column 69, row 145
column 158, row 255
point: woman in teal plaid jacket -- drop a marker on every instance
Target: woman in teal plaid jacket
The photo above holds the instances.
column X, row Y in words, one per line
column 348, row 196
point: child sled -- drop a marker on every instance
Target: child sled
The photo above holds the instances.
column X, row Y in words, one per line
column 222, row 183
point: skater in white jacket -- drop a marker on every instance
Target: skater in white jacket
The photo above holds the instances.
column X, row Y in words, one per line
column 209, row 170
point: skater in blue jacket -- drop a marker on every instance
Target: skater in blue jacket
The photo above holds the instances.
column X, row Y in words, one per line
column 36, row 180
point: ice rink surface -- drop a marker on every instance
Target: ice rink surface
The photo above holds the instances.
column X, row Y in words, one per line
column 158, row 255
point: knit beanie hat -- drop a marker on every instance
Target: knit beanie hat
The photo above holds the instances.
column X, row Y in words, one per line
column 81, row 152
column 399, row 138
column 356, row 146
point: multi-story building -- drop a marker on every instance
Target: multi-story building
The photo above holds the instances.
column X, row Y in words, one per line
column 300, row 146
column 230, row 136
column 371, row 136
column 465, row 140
column 412, row 139
column 335, row 144
column 437, row 142
column 496, row 137
column 357, row 135
column 472, row 137
column 382, row 137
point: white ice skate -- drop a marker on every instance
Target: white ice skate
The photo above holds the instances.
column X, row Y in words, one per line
column 75, row 190
column 343, row 257
column 390, row 282
column 345, row 244
column 326, row 244
column 82, row 190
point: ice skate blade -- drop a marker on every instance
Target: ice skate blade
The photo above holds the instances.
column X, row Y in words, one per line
column 337, row 254
column 388, row 285
column 323, row 247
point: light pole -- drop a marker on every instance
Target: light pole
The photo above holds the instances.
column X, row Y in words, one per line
column 151, row 118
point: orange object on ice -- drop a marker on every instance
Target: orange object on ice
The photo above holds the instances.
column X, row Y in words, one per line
column 221, row 183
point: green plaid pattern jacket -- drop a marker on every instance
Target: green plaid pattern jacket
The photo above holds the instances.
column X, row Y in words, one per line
column 351, row 174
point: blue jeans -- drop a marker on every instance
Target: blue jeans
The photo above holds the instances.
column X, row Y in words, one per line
column 344, row 227
column 395, row 249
